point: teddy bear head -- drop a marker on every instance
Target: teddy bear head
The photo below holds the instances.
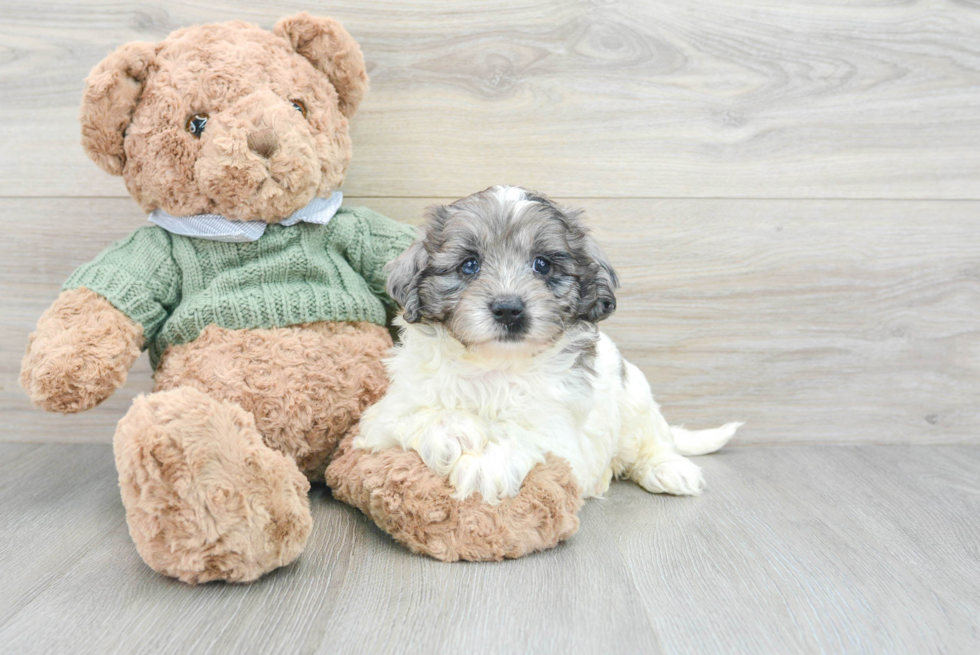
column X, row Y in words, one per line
column 228, row 118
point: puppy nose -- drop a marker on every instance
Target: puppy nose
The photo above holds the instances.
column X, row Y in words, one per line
column 263, row 142
column 507, row 310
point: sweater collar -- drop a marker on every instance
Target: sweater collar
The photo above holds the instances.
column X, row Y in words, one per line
column 218, row 228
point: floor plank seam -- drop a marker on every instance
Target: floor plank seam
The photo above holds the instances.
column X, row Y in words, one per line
column 589, row 198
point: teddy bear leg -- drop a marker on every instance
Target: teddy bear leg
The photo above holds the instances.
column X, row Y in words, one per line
column 205, row 498
column 415, row 506
column 305, row 385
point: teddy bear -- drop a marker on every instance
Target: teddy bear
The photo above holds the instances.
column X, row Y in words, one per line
column 261, row 300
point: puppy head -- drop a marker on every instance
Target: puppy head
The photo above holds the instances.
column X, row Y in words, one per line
column 504, row 267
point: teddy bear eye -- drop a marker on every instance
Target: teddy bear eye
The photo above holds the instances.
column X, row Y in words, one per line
column 195, row 124
column 299, row 106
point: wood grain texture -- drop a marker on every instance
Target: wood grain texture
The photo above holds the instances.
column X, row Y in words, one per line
column 818, row 321
column 792, row 549
column 866, row 99
column 834, row 550
column 814, row 321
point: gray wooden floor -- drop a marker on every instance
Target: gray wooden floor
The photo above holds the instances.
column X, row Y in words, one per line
column 791, row 194
column 835, row 549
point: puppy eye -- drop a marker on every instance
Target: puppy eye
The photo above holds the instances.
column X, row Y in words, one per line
column 470, row 267
column 195, row 124
column 541, row 265
column 299, row 106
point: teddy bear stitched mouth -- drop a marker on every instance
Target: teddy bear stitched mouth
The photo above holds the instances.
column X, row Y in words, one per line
column 297, row 179
column 281, row 197
column 282, row 184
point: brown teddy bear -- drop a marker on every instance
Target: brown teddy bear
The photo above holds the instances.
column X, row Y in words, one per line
column 262, row 304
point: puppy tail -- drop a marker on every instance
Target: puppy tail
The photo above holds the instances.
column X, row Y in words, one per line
column 702, row 442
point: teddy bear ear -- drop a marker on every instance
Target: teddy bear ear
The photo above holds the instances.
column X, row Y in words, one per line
column 332, row 51
column 112, row 90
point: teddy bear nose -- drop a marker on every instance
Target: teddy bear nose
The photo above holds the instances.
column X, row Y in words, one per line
column 263, row 142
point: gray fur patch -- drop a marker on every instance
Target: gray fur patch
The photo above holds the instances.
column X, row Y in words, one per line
column 505, row 229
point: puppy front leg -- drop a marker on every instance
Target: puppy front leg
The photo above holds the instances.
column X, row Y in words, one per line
column 492, row 459
column 446, row 437
column 497, row 472
column 440, row 437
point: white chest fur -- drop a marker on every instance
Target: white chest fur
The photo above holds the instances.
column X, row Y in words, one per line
column 485, row 419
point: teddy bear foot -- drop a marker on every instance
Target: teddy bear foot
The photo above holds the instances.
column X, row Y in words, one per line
column 415, row 506
column 205, row 498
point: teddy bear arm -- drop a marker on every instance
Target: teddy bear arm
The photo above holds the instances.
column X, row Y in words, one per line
column 80, row 352
column 414, row 505
column 376, row 241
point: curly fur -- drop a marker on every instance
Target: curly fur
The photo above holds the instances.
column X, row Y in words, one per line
column 205, row 498
column 485, row 395
column 305, row 385
column 79, row 354
column 137, row 102
column 415, row 505
column 214, row 465
column 112, row 90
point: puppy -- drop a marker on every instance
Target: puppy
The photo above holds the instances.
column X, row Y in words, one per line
column 501, row 360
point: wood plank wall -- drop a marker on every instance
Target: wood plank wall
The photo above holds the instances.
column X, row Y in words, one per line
column 790, row 190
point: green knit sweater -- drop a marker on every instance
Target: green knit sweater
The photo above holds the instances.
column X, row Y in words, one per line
column 175, row 286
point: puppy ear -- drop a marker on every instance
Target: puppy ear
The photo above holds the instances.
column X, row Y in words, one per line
column 404, row 273
column 332, row 51
column 598, row 295
column 597, row 279
column 112, row 90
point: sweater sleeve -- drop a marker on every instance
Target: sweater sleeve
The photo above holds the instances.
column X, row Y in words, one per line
column 138, row 275
column 378, row 241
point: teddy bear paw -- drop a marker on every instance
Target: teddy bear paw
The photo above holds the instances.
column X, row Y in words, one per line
column 205, row 498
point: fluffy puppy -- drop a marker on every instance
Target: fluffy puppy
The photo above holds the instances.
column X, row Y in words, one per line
column 501, row 360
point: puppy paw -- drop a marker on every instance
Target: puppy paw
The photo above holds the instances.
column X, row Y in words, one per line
column 496, row 474
column 441, row 445
column 680, row 477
